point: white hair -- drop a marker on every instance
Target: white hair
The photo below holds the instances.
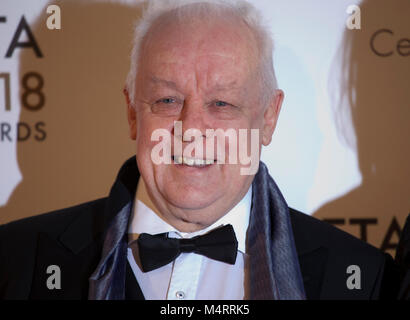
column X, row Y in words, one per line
column 155, row 9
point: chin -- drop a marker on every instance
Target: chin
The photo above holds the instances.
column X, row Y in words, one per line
column 191, row 199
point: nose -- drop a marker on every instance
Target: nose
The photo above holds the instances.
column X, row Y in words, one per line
column 192, row 116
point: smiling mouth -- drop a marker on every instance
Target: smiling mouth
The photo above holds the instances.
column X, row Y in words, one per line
column 192, row 162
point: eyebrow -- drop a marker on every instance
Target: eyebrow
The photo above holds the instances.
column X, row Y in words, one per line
column 218, row 87
column 229, row 86
column 170, row 84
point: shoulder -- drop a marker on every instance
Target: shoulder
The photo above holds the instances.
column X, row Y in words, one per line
column 339, row 255
column 25, row 243
column 23, row 233
column 54, row 220
column 312, row 232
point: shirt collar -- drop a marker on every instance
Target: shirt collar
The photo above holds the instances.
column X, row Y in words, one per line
column 145, row 218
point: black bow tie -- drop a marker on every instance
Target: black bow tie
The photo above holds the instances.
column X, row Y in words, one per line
column 158, row 250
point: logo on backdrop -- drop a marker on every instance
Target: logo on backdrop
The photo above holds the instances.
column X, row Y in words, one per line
column 385, row 43
column 32, row 96
column 391, row 236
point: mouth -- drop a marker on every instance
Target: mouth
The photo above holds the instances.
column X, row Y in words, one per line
column 192, row 162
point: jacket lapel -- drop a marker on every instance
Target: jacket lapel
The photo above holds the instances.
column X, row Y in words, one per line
column 107, row 282
column 76, row 261
column 132, row 289
column 78, row 250
column 313, row 267
column 313, row 257
column 65, row 270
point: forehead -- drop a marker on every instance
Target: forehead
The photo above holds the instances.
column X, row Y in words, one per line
column 225, row 49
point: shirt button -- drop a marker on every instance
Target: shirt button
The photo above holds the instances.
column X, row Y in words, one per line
column 180, row 295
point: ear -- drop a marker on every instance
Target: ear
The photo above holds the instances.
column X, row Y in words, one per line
column 132, row 116
column 270, row 117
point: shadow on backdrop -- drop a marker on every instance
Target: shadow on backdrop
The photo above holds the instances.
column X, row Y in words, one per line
column 84, row 69
column 375, row 94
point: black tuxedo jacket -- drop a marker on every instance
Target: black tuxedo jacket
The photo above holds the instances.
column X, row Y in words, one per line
column 403, row 261
column 72, row 239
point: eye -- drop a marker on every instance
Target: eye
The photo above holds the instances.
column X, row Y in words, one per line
column 166, row 100
column 221, row 103
column 167, row 106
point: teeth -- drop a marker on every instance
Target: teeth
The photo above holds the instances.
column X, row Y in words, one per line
column 189, row 161
column 192, row 161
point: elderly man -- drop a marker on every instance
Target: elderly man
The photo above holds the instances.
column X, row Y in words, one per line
column 197, row 226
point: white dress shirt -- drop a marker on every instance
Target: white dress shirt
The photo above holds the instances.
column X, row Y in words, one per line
column 190, row 276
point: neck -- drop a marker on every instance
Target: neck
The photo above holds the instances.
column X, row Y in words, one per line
column 188, row 220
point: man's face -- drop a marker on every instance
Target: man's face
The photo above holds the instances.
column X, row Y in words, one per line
column 205, row 75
